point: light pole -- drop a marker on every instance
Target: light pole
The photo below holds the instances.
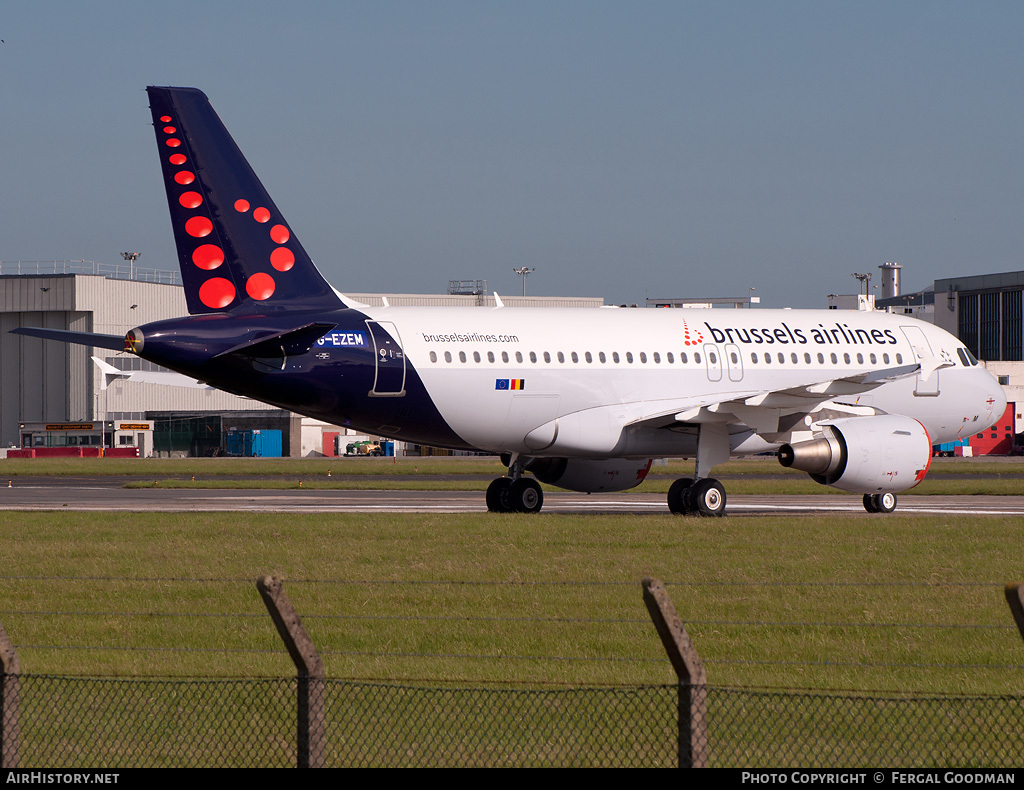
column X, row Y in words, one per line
column 131, row 257
column 524, row 272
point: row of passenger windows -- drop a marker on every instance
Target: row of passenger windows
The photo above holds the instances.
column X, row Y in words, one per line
column 655, row 357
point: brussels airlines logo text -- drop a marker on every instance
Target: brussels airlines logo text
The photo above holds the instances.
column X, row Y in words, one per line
column 353, row 339
column 836, row 335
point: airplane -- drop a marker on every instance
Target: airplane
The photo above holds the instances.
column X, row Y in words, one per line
column 580, row 398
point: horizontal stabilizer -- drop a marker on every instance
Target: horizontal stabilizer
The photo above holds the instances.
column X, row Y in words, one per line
column 113, row 342
column 282, row 344
column 165, row 378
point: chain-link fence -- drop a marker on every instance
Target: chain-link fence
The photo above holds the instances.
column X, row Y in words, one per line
column 119, row 723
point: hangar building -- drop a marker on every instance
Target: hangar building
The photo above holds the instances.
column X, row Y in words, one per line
column 48, row 383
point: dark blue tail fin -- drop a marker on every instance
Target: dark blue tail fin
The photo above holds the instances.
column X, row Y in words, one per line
column 234, row 247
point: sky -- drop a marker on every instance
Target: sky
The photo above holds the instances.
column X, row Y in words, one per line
column 625, row 150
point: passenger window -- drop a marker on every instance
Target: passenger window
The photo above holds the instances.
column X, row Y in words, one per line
column 629, row 357
column 575, row 357
column 447, row 356
column 874, row 359
column 669, row 358
column 433, row 356
column 561, row 357
column 860, row 359
column 899, row 359
column 782, row 357
column 547, row 357
column 504, row 356
column 821, row 359
column 767, row 358
column 656, row 357
column 643, row 357
column 885, row 358
column 734, row 357
column 615, row 357
column 462, row 356
column 846, row 358
column 588, row 357
column 713, row 357
column 519, row 356
column 807, row 358
column 490, row 356
column 601, row 357
column 476, row 356
column 696, row 357
column 682, row 357
column 834, row 358
column 533, row 356
column 753, row 356
column 794, row 357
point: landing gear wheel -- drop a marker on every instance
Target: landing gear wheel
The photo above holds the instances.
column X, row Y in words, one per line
column 498, row 500
column 525, row 495
column 880, row 503
column 707, row 497
column 677, row 494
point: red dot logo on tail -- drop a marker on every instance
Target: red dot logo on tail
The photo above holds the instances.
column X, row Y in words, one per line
column 217, row 293
column 260, row 286
column 208, row 256
column 282, row 259
column 198, row 227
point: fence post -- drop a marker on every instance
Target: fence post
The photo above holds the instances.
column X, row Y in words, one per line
column 1015, row 597
column 694, row 751
column 312, row 737
column 10, row 688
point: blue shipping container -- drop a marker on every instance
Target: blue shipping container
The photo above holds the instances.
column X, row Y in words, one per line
column 255, row 444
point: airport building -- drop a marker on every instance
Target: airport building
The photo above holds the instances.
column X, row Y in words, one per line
column 56, row 395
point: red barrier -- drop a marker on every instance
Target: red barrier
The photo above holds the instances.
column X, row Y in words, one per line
column 121, row 452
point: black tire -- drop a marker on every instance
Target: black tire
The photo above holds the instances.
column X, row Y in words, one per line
column 525, row 495
column 677, row 495
column 498, row 500
column 707, row 498
column 869, row 503
column 885, row 503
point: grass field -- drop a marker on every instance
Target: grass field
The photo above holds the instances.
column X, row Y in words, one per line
column 888, row 604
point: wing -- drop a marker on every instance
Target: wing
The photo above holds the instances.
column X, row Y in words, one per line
column 776, row 415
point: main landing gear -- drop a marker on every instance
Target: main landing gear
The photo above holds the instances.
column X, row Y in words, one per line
column 879, row 503
column 515, row 493
column 705, row 497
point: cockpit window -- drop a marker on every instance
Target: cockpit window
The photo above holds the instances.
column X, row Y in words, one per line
column 962, row 353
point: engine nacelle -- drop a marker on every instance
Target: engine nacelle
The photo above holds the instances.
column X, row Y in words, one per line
column 578, row 474
column 864, row 455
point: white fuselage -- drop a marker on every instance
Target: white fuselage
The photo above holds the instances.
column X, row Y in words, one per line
column 606, row 382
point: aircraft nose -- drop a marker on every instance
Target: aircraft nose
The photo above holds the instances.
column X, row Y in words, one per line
column 995, row 400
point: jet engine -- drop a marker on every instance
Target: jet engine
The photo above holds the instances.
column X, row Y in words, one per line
column 576, row 474
column 864, row 455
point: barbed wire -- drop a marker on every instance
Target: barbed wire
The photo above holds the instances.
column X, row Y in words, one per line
column 496, row 619
column 516, row 657
column 498, row 583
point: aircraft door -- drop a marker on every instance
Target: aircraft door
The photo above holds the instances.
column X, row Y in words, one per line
column 734, row 359
column 713, row 358
column 926, row 387
column 389, row 381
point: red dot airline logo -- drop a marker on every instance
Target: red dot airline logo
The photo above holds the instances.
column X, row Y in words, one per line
column 692, row 337
column 219, row 292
